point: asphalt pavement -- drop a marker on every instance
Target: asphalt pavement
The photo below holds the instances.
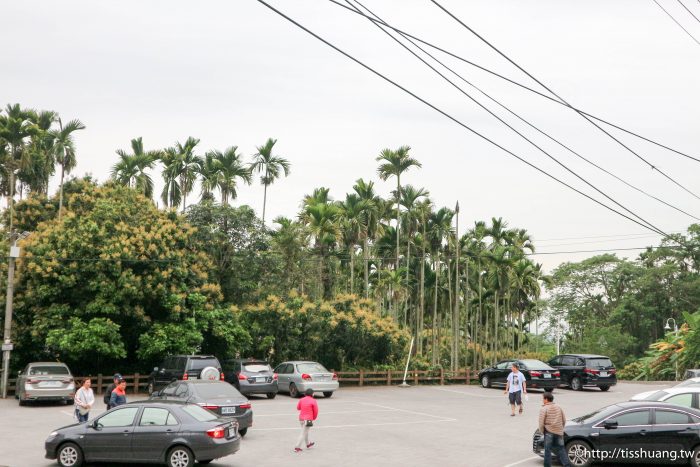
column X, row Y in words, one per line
column 452, row 425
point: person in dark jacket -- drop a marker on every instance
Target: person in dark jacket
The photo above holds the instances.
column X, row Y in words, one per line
column 110, row 388
column 118, row 395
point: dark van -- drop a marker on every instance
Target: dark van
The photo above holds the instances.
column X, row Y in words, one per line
column 584, row 370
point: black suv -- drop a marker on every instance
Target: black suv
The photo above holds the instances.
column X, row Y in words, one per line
column 184, row 367
column 580, row 370
column 251, row 376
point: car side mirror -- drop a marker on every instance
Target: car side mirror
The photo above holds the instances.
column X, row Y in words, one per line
column 96, row 425
column 610, row 424
column 155, row 394
column 155, row 368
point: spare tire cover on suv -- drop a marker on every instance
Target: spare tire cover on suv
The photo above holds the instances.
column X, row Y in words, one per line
column 210, row 373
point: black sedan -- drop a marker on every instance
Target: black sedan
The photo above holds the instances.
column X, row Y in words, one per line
column 636, row 432
column 171, row 433
column 538, row 374
column 218, row 396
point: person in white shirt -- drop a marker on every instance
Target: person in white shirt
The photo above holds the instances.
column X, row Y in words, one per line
column 515, row 387
column 84, row 400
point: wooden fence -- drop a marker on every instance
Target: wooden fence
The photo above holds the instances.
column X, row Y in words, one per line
column 137, row 383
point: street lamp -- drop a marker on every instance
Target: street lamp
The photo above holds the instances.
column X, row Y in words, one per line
column 667, row 327
column 7, row 337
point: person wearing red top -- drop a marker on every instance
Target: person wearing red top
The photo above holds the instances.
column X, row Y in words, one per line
column 308, row 411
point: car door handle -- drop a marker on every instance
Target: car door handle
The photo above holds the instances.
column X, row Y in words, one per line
column 642, row 432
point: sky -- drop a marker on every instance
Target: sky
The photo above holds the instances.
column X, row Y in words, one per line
column 235, row 73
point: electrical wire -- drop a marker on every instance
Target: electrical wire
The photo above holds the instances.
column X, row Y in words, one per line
column 652, row 166
column 676, row 21
column 460, row 123
column 688, row 10
column 515, row 83
column 517, row 116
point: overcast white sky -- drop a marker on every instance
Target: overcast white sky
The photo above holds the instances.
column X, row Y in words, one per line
column 235, row 73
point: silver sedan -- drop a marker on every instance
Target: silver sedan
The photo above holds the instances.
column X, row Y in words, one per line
column 298, row 376
column 50, row 381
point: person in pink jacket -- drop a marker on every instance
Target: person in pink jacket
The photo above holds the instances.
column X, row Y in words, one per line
column 308, row 411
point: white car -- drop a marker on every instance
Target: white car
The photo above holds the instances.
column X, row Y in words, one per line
column 687, row 396
column 687, row 383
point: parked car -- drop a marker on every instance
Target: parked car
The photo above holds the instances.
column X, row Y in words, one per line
column 218, row 396
column 164, row 432
column 538, row 374
column 652, row 427
column 686, row 396
column 693, row 373
column 298, row 376
column 45, row 381
column 183, row 368
column 251, row 376
column 688, row 383
column 581, row 370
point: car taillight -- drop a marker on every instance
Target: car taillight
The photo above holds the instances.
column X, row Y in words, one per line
column 217, row 432
column 242, row 377
column 335, row 376
column 208, row 406
column 306, row 377
column 185, row 377
column 612, row 371
column 221, row 376
column 535, row 373
column 590, row 371
column 275, row 377
column 32, row 381
column 66, row 381
column 246, row 406
column 557, row 374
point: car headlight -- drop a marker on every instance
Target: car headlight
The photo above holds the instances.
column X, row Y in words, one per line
column 53, row 434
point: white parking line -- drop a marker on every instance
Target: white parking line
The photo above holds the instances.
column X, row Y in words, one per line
column 523, row 461
column 316, row 427
column 287, row 414
column 465, row 393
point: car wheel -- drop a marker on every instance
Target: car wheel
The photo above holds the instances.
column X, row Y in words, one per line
column 485, row 381
column 328, row 394
column 695, row 458
column 579, row 453
column 604, row 387
column 22, row 401
column 576, row 383
column 150, row 389
column 271, row 395
column 69, row 455
column 180, row 456
column 293, row 391
column 243, row 431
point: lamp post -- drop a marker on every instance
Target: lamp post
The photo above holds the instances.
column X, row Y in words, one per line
column 667, row 327
column 7, row 337
column 455, row 318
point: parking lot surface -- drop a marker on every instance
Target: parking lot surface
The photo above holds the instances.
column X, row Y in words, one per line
column 453, row 425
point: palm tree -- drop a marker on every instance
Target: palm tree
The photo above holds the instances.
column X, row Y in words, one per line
column 171, row 194
column 321, row 215
column 409, row 198
column 64, row 151
column 270, row 167
column 351, row 227
column 393, row 164
column 423, row 210
column 370, row 206
column 291, row 241
column 209, row 171
column 231, row 168
column 188, row 165
column 439, row 229
column 131, row 170
column 38, row 161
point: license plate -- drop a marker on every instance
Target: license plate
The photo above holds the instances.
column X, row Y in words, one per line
column 260, row 380
column 603, row 373
column 51, row 384
column 230, row 432
column 547, row 375
column 228, row 410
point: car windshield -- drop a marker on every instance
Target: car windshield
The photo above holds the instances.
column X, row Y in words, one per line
column 256, row 367
column 598, row 362
column 48, row 370
column 311, row 368
column 216, row 390
column 203, row 415
column 201, row 363
column 535, row 365
column 656, row 396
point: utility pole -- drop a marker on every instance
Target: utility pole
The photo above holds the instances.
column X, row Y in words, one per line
column 455, row 318
column 7, row 337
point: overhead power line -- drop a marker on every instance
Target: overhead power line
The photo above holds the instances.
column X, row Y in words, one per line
column 633, row 152
column 517, row 116
column 515, row 83
column 688, row 10
column 459, row 122
column 676, row 21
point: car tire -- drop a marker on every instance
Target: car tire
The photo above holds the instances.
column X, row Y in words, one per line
column 69, row 455
column 22, row 402
column 485, row 381
column 604, row 387
column 328, row 394
column 210, row 373
column 695, row 458
column 243, row 431
column 180, row 456
column 293, row 391
column 579, row 453
column 150, row 389
column 271, row 395
column 576, row 383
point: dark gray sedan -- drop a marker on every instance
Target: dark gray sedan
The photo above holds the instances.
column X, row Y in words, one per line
column 218, row 396
column 172, row 433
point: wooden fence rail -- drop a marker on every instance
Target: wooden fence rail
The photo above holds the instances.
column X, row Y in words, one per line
column 138, row 383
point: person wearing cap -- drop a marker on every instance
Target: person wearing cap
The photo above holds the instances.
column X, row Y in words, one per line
column 110, row 388
column 515, row 388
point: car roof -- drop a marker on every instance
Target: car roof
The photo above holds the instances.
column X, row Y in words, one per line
column 654, row 404
column 159, row 402
column 675, row 390
column 582, row 355
column 299, row 361
column 204, row 381
column 48, row 363
column 194, row 356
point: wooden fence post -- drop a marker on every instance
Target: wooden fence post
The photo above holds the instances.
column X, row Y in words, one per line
column 415, row 378
column 99, row 383
column 442, row 376
column 136, row 383
column 468, row 380
column 388, row 377
column 362, row 377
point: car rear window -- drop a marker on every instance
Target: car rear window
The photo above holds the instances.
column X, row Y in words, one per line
column 598, row 362
column 256, row 367
column 48, row 370
column 216, row 390
column 200, row 414
column 535, row 365
column 201, row 363
column 311, row 368
column 657, row 396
